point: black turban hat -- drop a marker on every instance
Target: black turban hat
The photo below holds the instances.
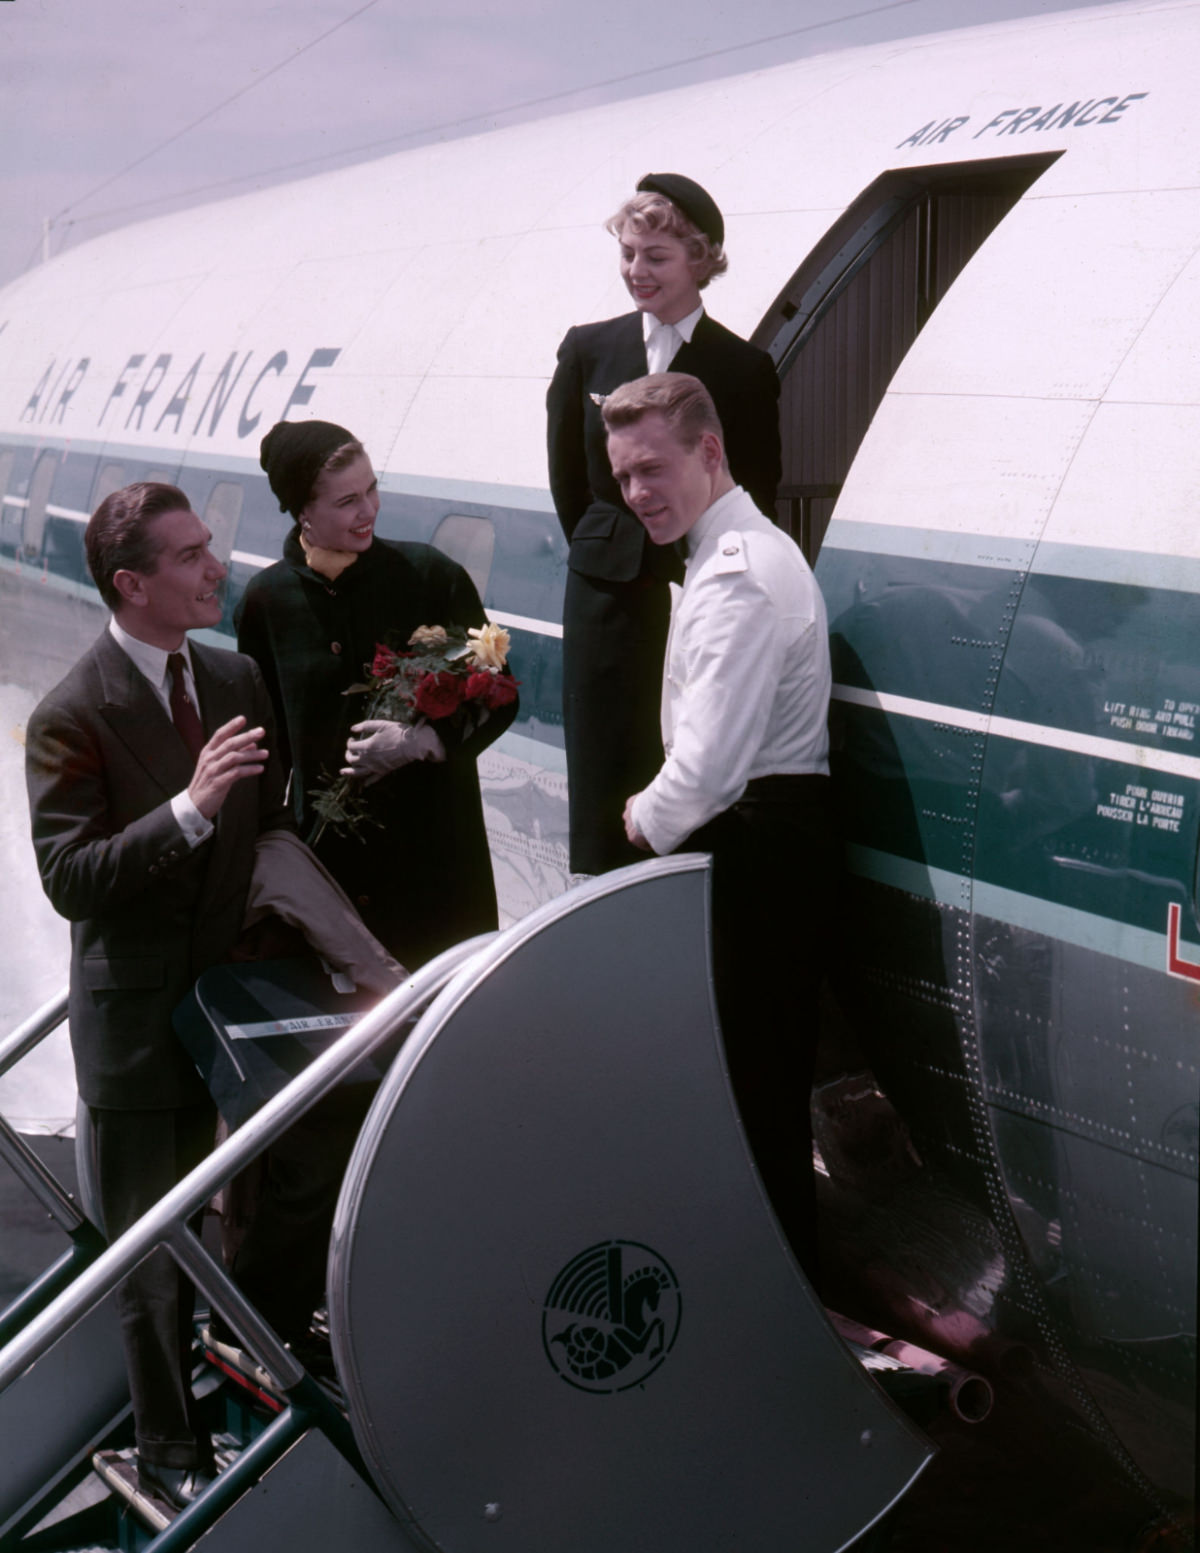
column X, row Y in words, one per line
column 293, row 452
column 696, row 203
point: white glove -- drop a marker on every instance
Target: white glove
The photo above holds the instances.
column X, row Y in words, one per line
column 384, row 746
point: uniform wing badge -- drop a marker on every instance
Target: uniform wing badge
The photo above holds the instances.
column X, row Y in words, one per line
column 597, row 399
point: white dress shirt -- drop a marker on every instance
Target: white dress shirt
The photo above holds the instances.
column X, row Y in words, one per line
column 151, row 662
column 663, row 340
column 747, row 680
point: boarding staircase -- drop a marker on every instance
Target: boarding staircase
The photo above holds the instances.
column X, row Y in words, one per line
column 561, row 1311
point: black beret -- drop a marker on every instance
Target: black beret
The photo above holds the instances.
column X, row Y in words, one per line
column 292, row 454
column 696, row 203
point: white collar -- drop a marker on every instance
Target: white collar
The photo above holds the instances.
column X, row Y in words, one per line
column 686, row 327
column 151, row 660
column 713, row 521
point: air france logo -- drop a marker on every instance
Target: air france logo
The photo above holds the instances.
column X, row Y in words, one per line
column 611, row 1316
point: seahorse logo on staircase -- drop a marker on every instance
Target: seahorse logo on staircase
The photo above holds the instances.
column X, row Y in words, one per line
column 611, row 1316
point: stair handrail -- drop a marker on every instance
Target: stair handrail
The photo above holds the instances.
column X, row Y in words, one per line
column 35, row 1030
column 166, row 1222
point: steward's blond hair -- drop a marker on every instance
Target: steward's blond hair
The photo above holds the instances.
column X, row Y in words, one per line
column 682, row 401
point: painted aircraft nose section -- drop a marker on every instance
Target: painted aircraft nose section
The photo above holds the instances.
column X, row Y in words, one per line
column 563, row 1313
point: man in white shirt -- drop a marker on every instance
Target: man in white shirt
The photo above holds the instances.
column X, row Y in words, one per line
column 746, row 773
column 148, row 786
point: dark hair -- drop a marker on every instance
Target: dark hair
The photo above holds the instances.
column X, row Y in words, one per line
column 118, row 536
column 682, row 401
column 341, row 458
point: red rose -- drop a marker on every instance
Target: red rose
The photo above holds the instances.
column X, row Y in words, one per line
column 478, row 688
column 383, row 665
column 438, row 695
column 492, row 689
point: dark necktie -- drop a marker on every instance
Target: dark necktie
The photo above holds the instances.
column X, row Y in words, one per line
column 183, row 713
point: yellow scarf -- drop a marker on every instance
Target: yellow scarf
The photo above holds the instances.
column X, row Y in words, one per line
column 327, row 563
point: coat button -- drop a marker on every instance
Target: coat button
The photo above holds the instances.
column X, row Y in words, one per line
column 362, row 902
column 335, row 647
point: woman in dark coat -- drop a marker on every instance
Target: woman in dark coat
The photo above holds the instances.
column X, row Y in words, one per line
column 419, row 869
column 616, row 609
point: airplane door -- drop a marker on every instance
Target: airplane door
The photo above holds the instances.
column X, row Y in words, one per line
column 843, row 323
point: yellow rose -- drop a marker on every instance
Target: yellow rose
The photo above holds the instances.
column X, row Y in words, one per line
column 428, row 636
column 489, row 645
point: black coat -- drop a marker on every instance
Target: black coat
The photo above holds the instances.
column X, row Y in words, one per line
column 616, row 609
column 103, row 761
column 421, row 875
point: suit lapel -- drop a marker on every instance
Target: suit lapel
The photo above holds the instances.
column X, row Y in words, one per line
column 692, row 353
column 138, row 718
column 626, row 357
column 214, row 687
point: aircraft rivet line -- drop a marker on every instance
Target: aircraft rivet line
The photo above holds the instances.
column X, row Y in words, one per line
column 1146, row 1363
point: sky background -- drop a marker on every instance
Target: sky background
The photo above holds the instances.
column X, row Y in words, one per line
column 115, row 110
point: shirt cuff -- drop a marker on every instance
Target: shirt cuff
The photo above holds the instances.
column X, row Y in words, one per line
column 191, row 822
column 642, row 821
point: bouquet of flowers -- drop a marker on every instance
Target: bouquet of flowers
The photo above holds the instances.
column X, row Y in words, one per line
column 448, row 677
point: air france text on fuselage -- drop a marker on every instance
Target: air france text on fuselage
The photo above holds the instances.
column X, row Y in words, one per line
column 157, row 394
column 1080, row 114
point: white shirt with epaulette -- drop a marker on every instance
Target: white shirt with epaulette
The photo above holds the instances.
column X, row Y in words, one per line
column 746, row 681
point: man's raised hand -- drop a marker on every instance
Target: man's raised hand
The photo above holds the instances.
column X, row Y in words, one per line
column 232, row 753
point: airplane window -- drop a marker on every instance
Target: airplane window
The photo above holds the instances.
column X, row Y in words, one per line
column 9, row 515
column 110, row 478
column 221, row 514
column 471, row 542
column 34, row 529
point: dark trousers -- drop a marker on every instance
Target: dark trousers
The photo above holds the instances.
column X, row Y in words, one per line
column 140, row 1156
column 280, row 1264
column 614, row 640
column 777, row 862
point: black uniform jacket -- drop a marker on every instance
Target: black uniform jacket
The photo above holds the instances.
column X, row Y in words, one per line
column 615, row 610
column 147, row 914
column 607, row 541
column 420, row 871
